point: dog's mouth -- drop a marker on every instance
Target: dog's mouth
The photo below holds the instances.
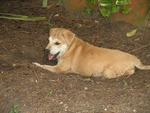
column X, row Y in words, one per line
column 52, row 56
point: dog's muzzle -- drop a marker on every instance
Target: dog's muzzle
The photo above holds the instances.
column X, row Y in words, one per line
column 52, row 56
column 50, row 59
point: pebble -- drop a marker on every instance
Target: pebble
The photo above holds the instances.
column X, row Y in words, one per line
column 56, row 15
column 36, row 81
column 96, row 21
column 14, row 65
column 61, row 102
column 105, row 109
column 65, row 107
column 134, row 110
column 85, row 88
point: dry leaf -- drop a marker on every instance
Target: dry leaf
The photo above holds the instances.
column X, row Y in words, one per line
column 131, row 33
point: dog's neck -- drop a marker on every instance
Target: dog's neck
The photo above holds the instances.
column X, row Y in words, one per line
column 75, row 44
column 70, row 48
column 73, row 40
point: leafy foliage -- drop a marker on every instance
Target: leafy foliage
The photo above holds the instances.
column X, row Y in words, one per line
column 14, row 109
column 45, row 2
column 109, row 7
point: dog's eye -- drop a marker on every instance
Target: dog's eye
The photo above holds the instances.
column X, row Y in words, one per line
column 57, row 43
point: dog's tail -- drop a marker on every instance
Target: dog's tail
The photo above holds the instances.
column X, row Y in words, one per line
column 141, row 66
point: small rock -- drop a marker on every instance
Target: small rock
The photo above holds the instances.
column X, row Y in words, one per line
column 61, row 102
column 85, row 88
column 105, row 109
column 65, row 107
column 14, row 65
column 96, row 21
column 134, row 110
column 79, row 25
column 36, row 81
column 56, row 15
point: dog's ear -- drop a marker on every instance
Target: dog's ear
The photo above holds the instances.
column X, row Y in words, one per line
column 68, row 36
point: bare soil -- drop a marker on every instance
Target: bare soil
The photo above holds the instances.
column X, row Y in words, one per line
column 34, row 90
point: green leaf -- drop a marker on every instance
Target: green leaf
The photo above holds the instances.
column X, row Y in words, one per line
column 126, row 10
column 105, row 3
column 21, row 17
column 105, row 11
column 60, row 2
column 44, row 4
column 92, row 1
column 122, row 2
column 115, row 9
column 108, row 7
column 50, row 93
column 14, row 109
column 88, row 11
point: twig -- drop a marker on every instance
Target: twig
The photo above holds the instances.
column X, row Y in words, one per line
column 11, row 16
column 96, row 37
column 35, row 73
column 144, row 46
column 146, row 24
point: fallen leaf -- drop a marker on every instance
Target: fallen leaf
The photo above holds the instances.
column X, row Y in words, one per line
column 131, row 33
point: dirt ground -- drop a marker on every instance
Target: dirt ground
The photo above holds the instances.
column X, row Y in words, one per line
column 34, row 90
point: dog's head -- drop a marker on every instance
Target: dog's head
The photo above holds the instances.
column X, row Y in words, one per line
column 60, row 40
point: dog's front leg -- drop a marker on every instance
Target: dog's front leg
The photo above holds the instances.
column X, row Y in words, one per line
column 55, row 69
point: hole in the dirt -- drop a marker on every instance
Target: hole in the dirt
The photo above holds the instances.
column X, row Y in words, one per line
column 4, row 66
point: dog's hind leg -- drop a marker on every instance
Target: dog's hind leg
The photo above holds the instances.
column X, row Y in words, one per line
column 108, row 73
column 130, row 72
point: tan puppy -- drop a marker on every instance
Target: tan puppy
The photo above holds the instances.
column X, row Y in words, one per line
column 76, row 56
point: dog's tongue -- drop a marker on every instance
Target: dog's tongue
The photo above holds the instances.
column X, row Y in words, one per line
column 50, row 57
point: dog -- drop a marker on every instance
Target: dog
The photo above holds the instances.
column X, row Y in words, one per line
column 79, row 57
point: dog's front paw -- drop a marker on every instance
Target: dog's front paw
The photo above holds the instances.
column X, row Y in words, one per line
column 46, row 67
column 37, row 64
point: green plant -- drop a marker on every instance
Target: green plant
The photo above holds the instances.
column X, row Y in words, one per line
column 14, row 109
column 50, row 93
column 60, row 2
column 109, row 7
column 44, row 3
column 21, row 17
column 88, row 11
